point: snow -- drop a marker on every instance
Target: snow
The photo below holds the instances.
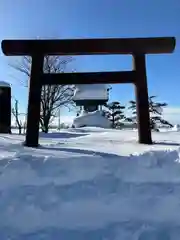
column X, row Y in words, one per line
column 90, row 183
column 159, row 109
column 176, row 128
column 91, row 92
column 4, row 84
column 92, row 119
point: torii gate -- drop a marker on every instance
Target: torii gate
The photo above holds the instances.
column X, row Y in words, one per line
column 137, row 47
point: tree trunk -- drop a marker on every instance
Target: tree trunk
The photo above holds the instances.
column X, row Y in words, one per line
column 45, row 125
column 46, row 129
column 113, row 121
column 20, row 129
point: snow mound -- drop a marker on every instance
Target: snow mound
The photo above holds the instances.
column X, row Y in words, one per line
column 88, row 130
column 97, row 184
column 91, row 196
column 176, row 128
column 91, row 92
column 93, row 119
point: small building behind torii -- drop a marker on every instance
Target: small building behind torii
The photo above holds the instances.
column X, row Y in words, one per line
column 91, row 97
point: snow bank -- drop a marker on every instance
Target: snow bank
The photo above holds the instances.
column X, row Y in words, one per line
column 176, row 128
column 92, row 119
column 91, row 91
column 65, row 191
column 90, row 196
column 88, row 130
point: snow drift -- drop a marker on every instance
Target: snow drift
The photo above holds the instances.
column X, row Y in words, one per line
column 86, row 185
column 92, row 119
column 176, row 128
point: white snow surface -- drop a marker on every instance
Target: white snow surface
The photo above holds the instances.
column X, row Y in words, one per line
column 91, row 119
column 90, row 183
column 176, row 128
column 91, row 92
column 4, row 84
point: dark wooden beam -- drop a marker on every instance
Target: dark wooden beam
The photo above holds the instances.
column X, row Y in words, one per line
column 142, row 103
column 32, row 132
column 89, row 46
column 88, row 78
column 89, row 102
column 5, row 109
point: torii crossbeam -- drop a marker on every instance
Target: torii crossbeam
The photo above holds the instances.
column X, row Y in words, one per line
column 137, row 47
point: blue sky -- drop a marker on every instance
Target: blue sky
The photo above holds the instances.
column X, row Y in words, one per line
column 99, row 18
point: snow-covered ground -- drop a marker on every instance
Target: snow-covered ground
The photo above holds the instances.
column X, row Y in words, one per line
column 90, row 183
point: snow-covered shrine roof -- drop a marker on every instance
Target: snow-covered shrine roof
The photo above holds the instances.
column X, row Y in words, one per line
column 91, row 92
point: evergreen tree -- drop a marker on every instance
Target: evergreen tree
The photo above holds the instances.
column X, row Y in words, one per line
column 155, row 110
column 114, row 112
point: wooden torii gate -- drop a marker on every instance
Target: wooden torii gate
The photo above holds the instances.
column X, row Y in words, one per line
column 137, row 47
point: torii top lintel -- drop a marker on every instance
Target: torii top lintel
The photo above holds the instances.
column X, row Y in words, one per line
column 89, row 46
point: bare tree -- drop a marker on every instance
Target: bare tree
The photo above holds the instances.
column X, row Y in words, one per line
column 54, row 96
column 16, row 114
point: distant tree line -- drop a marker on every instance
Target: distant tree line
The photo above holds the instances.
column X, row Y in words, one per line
column 115, row 112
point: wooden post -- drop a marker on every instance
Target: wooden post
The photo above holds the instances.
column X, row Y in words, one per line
column 35, row 87
column 142, row 103
column 5, row 108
